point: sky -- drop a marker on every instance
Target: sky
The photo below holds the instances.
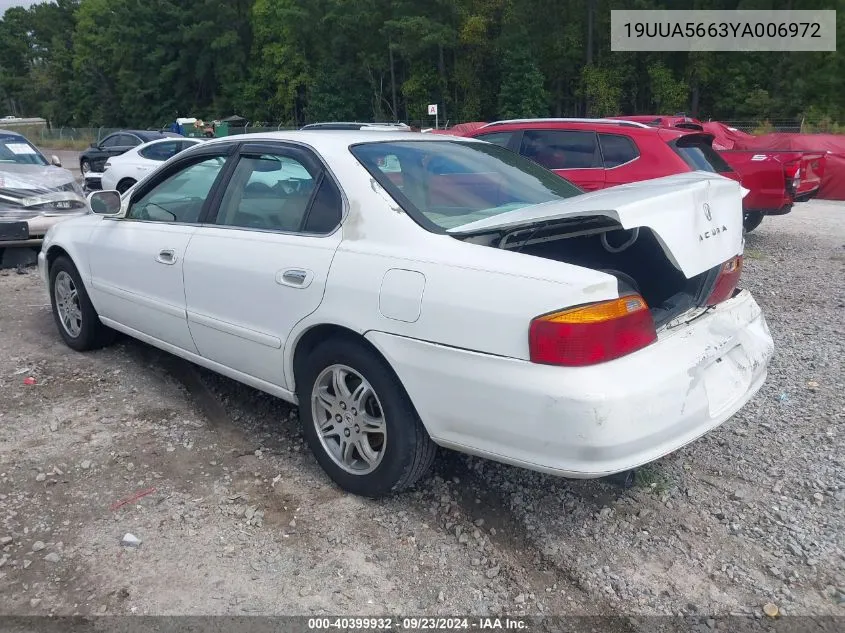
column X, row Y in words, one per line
column 5, row 4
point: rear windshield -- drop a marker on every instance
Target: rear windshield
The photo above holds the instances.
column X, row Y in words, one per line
column 17, row 150
column 445, row 184
column 698, row 153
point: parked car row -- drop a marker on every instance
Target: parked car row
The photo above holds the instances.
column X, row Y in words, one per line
column 775, row 178
column 410, row 291
column 599, row 153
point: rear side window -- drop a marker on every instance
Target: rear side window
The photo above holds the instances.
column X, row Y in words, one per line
column 617, row 150
column 497, row 138
column 698, row 153
column 561, row 149
column 269, row 191
column 161, row 151
column 326, row 209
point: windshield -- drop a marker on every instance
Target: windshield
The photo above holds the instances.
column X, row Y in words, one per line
column 446, row 184
column 16, row 149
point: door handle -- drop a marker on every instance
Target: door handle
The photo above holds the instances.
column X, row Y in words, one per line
column 295, row 277
column 166, row 256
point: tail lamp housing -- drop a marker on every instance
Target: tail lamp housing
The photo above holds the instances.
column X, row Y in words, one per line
column 792, row 171
column 592, row 333
column 726, row 282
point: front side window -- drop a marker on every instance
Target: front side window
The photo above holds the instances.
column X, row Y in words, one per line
column 17, row 150
column 181, row 196
column 561, row 149
column 445, row 184
column 161, row 151
column 277, row 193
column 128, row 140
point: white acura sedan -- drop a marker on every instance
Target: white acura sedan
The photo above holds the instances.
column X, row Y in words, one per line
column 123, row 171
column 409, row 291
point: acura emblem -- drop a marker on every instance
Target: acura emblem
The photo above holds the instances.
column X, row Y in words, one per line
column 707, row 213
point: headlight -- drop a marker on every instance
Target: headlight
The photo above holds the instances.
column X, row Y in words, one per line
column 106, row 166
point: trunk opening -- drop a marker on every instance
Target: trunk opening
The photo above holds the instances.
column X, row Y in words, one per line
column 635, row 257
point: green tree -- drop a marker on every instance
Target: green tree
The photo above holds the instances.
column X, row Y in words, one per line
column 522, row 94
column 667, row 93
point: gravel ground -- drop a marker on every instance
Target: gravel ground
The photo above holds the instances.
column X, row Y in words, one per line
column 236, row 517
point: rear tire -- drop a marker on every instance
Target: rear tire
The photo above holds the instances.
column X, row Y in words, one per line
column 379, row 462
column 752, row 220
column 78, row 322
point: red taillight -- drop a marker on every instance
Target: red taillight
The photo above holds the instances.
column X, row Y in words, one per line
column 792, row 171
column 727, row 281
column 592, row 334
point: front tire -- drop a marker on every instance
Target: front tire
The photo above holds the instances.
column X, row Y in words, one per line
column 359, row 422
column 78, row 322
column 85, row 166
column 751, row 220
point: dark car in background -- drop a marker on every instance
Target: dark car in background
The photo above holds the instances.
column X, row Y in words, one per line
column 94, row 158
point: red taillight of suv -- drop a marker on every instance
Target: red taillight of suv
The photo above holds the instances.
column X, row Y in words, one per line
column 593, row 333
column 727, row 281
column 792, row 171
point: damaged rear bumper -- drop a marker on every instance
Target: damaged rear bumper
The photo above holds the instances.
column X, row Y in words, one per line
column 591, row 421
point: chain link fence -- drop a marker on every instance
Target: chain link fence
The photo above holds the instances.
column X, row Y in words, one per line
column 783, row 125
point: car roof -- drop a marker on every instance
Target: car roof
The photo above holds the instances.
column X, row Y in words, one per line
column 353, row 125
column 11, row 133
column 552, row 124
column 165, row 139
column 616, row 126
column 144, row 134
column 332, row 139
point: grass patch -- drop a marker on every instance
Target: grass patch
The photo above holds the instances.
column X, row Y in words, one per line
column 651, row 477
column 753, row 253
column 65, row 143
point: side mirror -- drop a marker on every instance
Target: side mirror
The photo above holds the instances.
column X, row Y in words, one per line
column 104, row 202
column 55, row 161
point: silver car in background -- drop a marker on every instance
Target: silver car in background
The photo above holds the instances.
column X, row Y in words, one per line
column 35, row 193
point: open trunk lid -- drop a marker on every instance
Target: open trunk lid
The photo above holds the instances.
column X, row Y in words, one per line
column 696, row 216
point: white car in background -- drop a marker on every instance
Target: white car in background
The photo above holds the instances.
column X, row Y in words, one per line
column 409, row 291
column 123, row 171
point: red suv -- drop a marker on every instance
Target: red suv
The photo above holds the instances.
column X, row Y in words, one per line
column 598, row 153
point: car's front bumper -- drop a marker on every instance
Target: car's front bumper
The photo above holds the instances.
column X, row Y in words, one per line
column 37, row 229
column 42, row 268
column 590, row 421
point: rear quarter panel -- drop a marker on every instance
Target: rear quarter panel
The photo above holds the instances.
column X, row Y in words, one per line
column 762, row 174
column 471, row 296
column 656, row 160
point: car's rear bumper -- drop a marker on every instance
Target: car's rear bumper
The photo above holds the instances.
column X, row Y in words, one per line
column 592, row 421
column 781, row 211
